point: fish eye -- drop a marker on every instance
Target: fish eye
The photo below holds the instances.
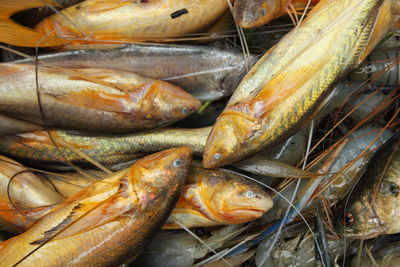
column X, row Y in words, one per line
column 348, row 219
column 249, row 194
column 185, row 110
column 217, row 156
column 386, row 92
column 177, row 163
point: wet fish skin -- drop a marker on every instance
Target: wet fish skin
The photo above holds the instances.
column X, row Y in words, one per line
column 132, row 20
column 206, row 73
column 372, row 207
column 37, row 147
column 256, row 13
column 12, row 126
column 109, row 222
column 117, row 102
column 272, row 102
column 216, row 197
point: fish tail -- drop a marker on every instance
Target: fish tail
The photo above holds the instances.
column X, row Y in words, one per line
column 15, row 34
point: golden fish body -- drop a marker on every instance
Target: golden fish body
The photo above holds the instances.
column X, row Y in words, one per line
column 109, row 222
column 216, row 197
column 292, row 79
column 113, row 102
column 132, row 20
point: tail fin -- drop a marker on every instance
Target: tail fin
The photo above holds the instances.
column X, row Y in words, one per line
column 15, row 34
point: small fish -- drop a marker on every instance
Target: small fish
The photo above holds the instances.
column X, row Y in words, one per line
column 372, row 207
column 215, row 197
column 37, row 148
column 207, row 73
column 94, row 21
column 256, row 13
column 291, row 80
column 110, row 222
column 111, row 102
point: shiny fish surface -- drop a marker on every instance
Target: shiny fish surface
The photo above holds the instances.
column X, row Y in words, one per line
column 109, row 222
column 206, row 73
column 372, row 207
column 116, row 102
column 132, row 20
column 255, row 13
column 281, row 91
column 38, row 147
column 215, row 197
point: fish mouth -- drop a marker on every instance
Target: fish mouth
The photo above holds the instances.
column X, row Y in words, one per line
column 247, row 214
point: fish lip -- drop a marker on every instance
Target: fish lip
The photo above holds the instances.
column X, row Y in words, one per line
column 254, row 213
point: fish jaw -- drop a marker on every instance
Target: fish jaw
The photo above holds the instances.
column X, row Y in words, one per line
column 255, row 13
column 230, row 139
column 240, row 201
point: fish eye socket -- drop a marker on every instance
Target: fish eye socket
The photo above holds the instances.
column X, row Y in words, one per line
column 249, row 194
column 185, row 110
column 177, row 163
column 217, row 156
column 348, row 219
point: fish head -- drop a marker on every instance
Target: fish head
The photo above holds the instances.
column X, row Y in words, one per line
column 159, row 177
column 357, row 219
column 239, row 200
column 229, row 140
column 172, row 102
column 255, row 13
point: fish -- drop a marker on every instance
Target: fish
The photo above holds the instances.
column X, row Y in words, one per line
column 207, row 73
column 371, row 208
column 110, row 222
column 38, row 149
column 256, row 13
column 291, row 80
column 110, row 102
column 217, row 197
column 347, row 169
column 15, row 34
column 209, row 198
column 94, row 21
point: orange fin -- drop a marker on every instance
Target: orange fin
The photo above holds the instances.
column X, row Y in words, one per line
column 15, row 34
column 94, row 99
column 283, row 86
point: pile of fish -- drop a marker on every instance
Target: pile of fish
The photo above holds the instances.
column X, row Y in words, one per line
column 199, row 133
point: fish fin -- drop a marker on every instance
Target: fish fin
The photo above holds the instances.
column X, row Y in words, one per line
column 283, row 86
column 48, row 235
column 15, row 34
column 93, row 99
column 386, row 17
